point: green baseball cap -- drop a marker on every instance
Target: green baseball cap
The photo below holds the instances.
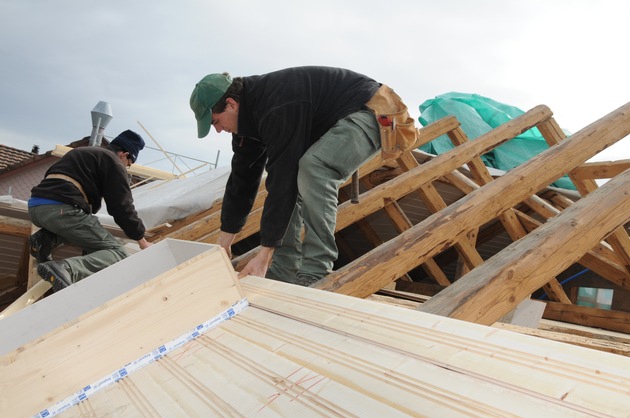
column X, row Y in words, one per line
column 205, row 95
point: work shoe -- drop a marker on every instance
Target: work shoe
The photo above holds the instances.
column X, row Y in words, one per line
column 42, row 243
column 56, row 273
column 306, row 280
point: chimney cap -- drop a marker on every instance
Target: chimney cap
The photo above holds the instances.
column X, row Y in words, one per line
column 102, row 111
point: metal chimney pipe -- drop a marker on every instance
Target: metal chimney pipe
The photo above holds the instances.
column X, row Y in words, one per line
column 101, row 115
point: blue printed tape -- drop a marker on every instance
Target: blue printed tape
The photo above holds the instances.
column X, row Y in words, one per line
column 143, row 361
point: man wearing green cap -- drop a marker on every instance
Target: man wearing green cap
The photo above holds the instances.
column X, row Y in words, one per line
column 308, row 127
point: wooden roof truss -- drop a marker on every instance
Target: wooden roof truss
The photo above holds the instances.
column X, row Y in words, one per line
column 549, row 231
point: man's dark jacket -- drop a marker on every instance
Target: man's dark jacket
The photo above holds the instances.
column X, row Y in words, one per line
column 102, row 175
column 281, row 114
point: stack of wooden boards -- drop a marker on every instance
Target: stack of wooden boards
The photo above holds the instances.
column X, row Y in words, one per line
column 289, row 350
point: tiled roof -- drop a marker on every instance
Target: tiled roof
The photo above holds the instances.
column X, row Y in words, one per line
column 10, row 156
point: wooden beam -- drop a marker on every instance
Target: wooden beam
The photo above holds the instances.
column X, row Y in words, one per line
column 28, row 298
column 482, row 176
column 591, row 317
column 541, row 207
column 14, row 226
column 402, row 223
column 492, row 290
column 591, row 343
column 135, row 169
column 460, row 182
column 600, row 169
column 619, row 240
column 553, row 288
column 591, row 338
column 546, row 211
column 600, row 259
column 436, row 129
column 434, row 202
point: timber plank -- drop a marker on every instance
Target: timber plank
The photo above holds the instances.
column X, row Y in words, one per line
column 28, row 298
column 591, row 338
column 569, row 374
column 598, row 318
column 590, row 343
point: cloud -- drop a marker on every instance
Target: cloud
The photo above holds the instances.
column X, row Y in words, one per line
column 144, row 57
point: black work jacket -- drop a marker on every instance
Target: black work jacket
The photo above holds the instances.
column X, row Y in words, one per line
column 102, row 175
column 281, row 114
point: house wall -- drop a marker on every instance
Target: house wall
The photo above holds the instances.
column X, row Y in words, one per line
column 21, row 180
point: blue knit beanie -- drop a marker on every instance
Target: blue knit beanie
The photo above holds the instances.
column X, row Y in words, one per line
column 130, row 142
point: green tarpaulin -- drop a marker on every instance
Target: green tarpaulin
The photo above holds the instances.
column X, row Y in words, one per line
column 478, row 115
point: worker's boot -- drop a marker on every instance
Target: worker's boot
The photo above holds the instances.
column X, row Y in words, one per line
column 56, row 273
column 42, row 244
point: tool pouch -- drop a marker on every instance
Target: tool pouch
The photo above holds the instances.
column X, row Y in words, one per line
column 398, row 130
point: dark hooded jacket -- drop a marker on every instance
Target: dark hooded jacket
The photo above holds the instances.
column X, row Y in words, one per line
column 281, row 114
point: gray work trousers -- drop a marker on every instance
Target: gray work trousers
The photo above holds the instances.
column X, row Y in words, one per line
column 324, row 167
column 75, row 227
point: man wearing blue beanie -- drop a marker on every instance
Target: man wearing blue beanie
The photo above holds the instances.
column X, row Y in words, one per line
column 64, row 203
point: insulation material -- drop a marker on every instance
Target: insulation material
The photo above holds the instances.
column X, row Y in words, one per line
column 164, row 201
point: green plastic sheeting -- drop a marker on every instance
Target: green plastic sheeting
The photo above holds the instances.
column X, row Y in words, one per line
column 478, row 115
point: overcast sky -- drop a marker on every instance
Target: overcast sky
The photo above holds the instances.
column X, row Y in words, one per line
column 61, row 57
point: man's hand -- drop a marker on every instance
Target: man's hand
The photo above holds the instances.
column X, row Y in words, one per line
column 144, row 244
column 225, row 240
column 258, row 265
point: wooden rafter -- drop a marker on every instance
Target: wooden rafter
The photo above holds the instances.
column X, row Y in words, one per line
column 503, row 281
column 619, row 240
